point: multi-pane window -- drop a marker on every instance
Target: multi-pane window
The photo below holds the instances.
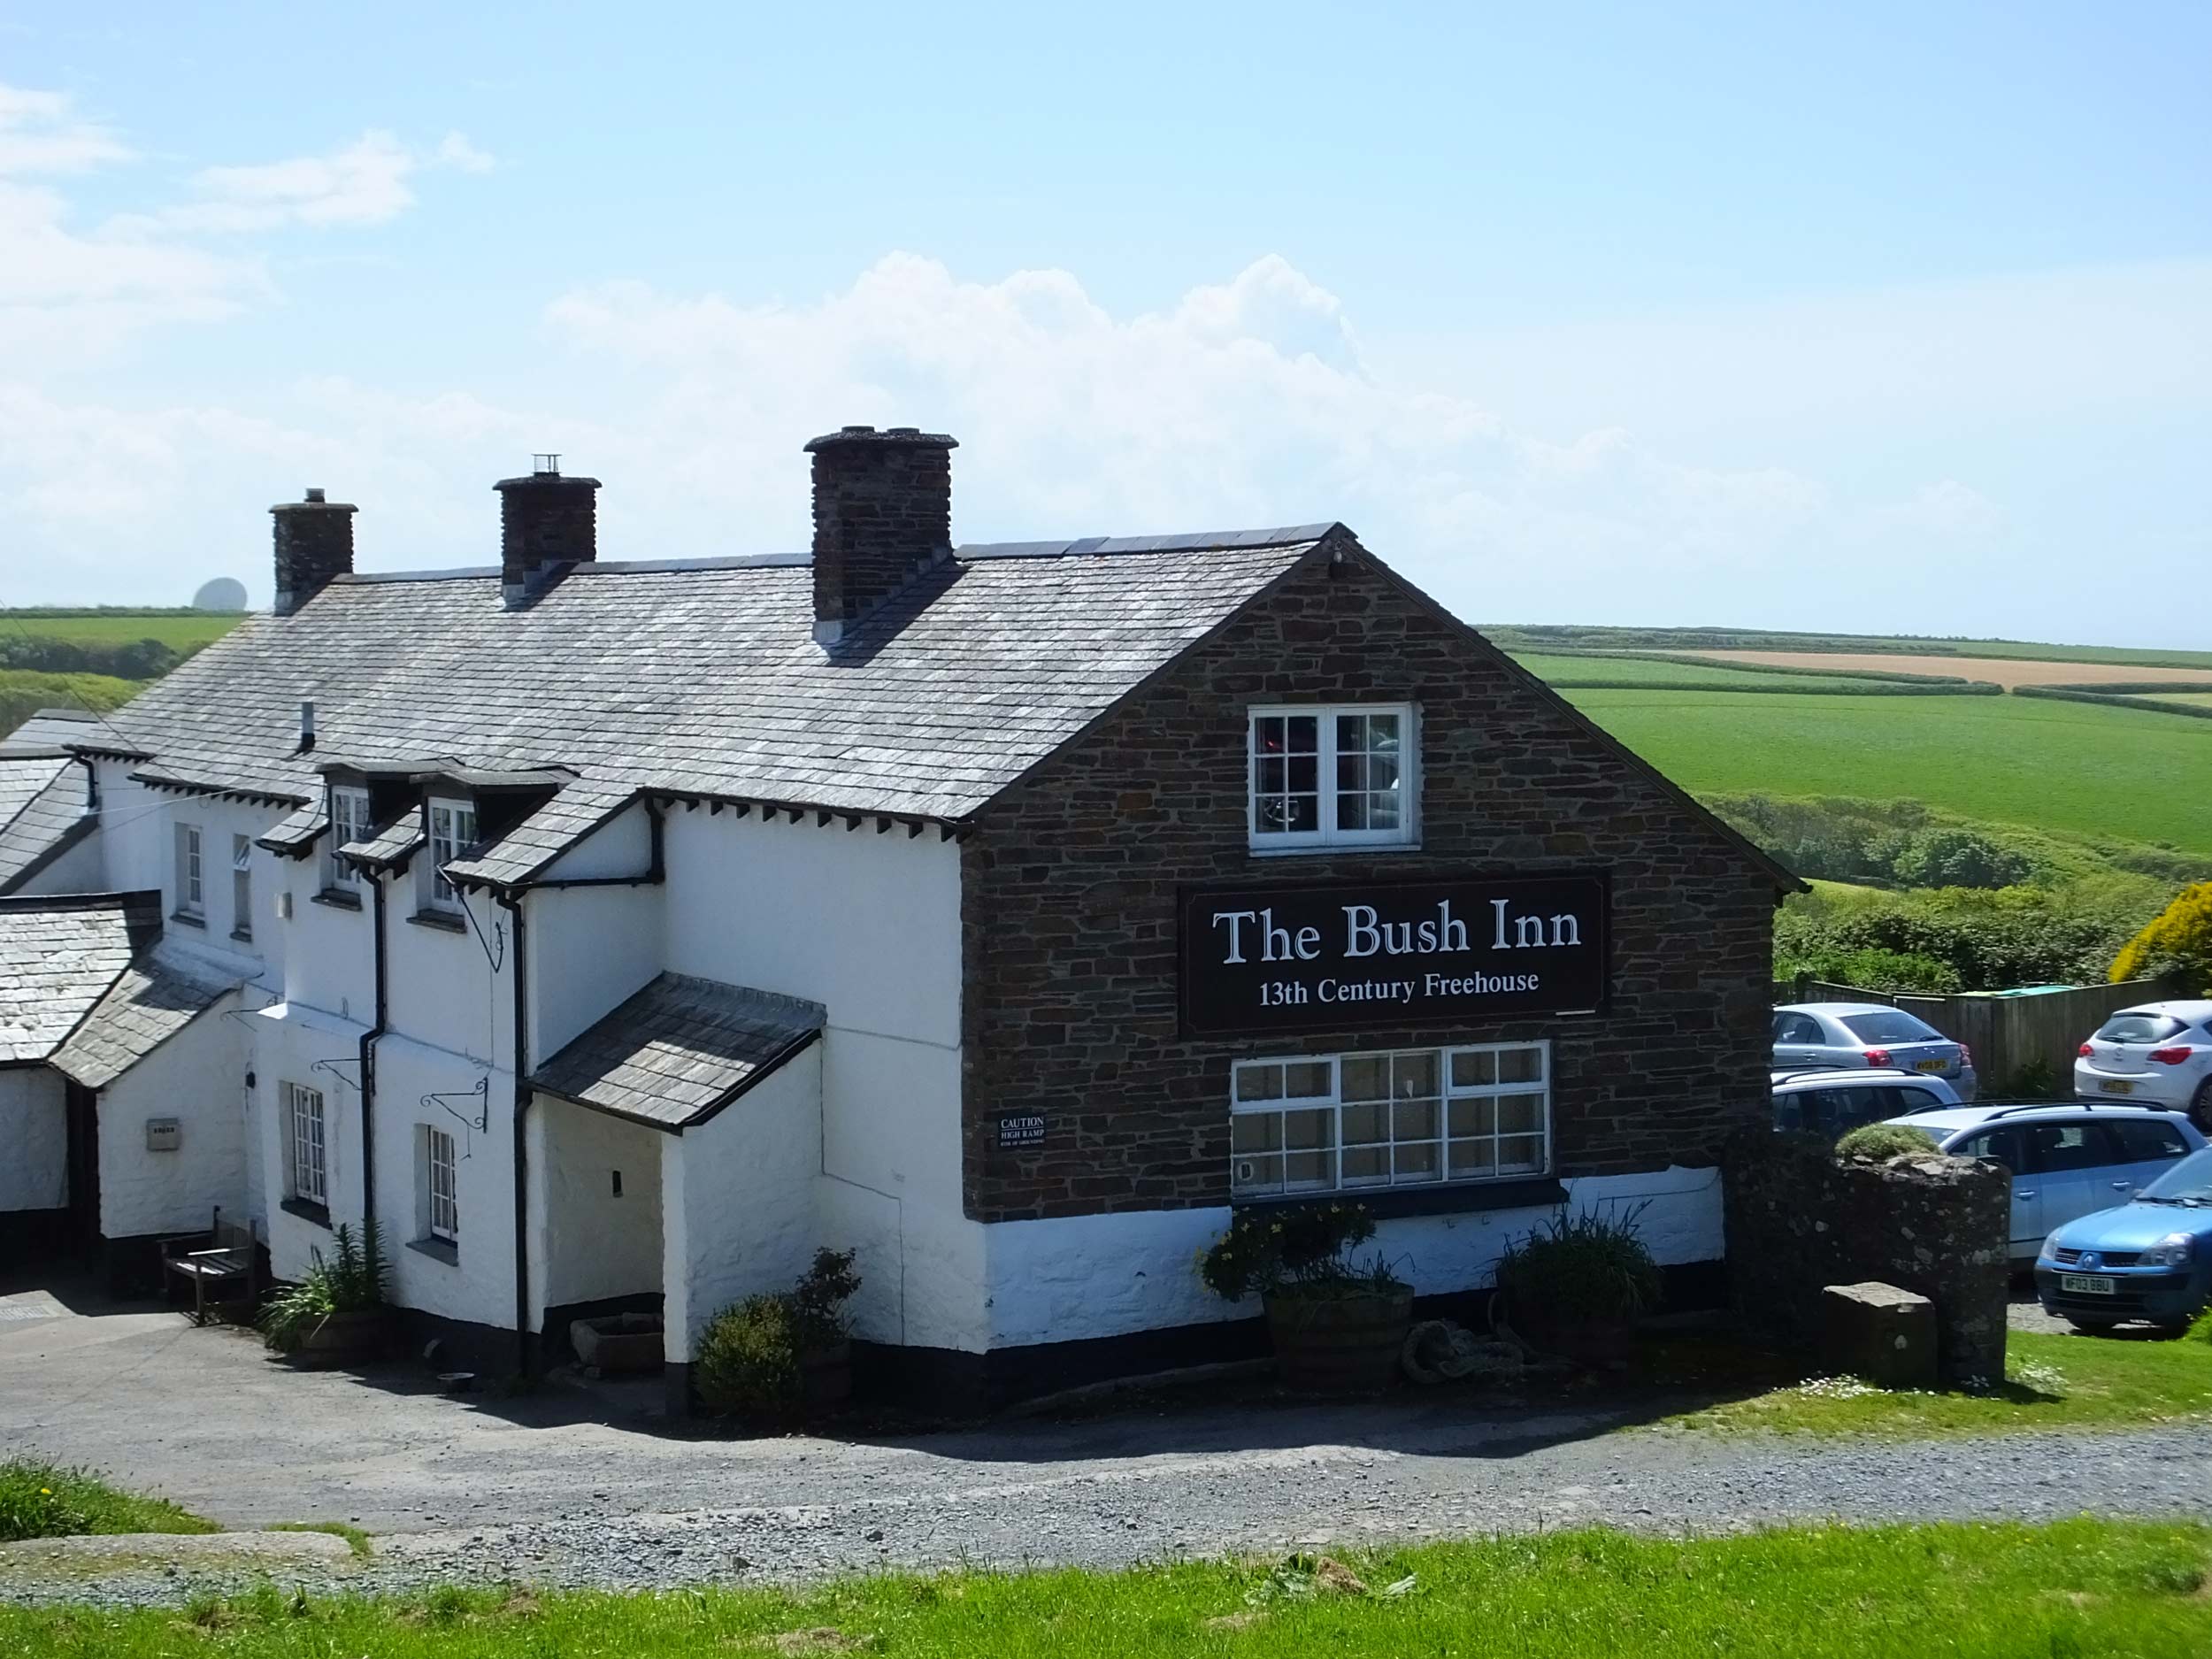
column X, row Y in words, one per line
column 349, row 822
column 304, row 1136
column 1412, row 1117
column 1333, row 777
column 191, row 894
column 241, row 886
column 442, row 1200
column 452, row 830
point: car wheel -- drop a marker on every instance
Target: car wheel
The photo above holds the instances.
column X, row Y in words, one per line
column 2090, row 1327
column 2200, row 1107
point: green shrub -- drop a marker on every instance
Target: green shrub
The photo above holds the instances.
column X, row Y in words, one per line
column 1591, row 1266
column 1880, row 1142
column 1300, row 1249
column 2177, row 942
column 748, row 1357
column 46, row 1500
column 351, row 1281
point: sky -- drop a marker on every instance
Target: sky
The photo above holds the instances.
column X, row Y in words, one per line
column 1877, row 317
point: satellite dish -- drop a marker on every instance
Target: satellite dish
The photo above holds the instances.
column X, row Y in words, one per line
column 225, row 593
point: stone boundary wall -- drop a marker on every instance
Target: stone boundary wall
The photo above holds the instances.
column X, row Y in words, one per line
column 1798, row 1220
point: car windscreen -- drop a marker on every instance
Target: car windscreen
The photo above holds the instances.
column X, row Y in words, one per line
column 1890, row 1026
column 2140, row 1028
column 2190, row 1178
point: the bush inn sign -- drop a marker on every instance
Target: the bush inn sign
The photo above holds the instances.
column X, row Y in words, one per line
column 1256, row 960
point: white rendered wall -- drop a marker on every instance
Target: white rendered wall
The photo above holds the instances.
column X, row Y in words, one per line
column 420, row 1084
column 597, row 1245
column 328, row 950
column 439, row 987
column 80, row 870
column 137, row 850
column 868, row 925
column 1094, row 1276
column 198, row 1077
column 294, row 1042
column 33, row 1139
column 590, row 947
column 738, row 1199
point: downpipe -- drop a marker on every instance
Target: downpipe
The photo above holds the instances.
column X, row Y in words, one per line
column 523, row 1096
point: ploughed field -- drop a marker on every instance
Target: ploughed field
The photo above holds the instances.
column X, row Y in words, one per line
column 2005, row 671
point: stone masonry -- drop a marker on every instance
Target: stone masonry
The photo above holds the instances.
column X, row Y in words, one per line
column 1069, row 886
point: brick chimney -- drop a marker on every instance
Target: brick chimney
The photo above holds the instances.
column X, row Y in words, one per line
column 314, row 543
column 883, row 510
column 546, row 523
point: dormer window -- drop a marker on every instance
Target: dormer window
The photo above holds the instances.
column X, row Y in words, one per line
column 1333, row 776
column 452, row 831
column 349, row 822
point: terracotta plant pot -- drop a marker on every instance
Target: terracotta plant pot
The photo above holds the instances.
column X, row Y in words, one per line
column 826, row 1376
column 345, row 1339
column 1338, row 1344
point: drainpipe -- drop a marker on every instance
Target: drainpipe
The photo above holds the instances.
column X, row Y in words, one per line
column 368, row 1062
column 512, row 904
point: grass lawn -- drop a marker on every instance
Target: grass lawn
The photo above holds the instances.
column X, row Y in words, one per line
column 1641, row 671
column 2028, row 761
column 41, row 1500
column 2077, row 1588
column 181, row 629
column 2051, row 1382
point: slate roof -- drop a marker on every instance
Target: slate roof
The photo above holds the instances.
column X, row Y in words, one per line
column 44, row 794
column 51, row 728
column 58, row 957
column 700, row 677
column 394, row 844
column 679, row 1050
column 149, row 1004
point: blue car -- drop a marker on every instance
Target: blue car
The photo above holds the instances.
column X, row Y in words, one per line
column 2151, row 1258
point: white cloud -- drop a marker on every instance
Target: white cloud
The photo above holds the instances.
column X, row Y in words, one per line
column 41, row 131
column 365, row 182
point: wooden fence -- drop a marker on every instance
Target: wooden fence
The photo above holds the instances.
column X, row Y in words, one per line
column 2013, row 1034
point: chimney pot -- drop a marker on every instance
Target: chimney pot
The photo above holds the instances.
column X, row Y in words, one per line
column 547, row 522
column 882, row 511
column 313, row 543
column 314, row 492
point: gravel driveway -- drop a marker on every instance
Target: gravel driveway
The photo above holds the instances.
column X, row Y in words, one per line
column 551, row 1489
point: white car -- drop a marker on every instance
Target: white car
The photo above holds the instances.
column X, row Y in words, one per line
column 2158, row 1055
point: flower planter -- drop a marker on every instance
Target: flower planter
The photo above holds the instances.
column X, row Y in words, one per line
column 826, row 1376
column 1338, row 1344
column 619, row 1343
column 344, row 1339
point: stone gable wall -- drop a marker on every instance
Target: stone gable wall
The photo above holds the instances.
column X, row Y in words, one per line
column 1069, row 887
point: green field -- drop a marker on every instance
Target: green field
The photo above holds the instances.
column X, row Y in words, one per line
column 181, row 630
column 23, row 694
column 1644, row 671
column 1517, row 638
column 2036, row 761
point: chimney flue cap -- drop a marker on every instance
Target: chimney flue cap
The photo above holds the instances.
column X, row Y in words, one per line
column 891, row 437
column 314, row 492
column 545, row 465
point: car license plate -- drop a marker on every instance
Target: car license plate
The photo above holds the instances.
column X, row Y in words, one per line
column 2116, row 1085
column 1931, row 1065
column 2094, row 1284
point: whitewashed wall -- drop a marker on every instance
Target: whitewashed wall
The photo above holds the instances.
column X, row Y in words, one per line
column 478, row 1285
column 597, row 1245
column 868, row 925
column 137, row 850
column 1096, row 1275
column 288, row 1040
column 590, row 947
column 33, row 1140
column 197, row 1078
column 80, row 870
column 738, row 1199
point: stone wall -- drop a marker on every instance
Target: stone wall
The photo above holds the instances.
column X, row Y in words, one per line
column 1798, row 1219
column 1069, row 886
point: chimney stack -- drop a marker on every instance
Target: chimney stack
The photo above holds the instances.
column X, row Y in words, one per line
column 314, row 543
column 883, row 510
column 546, row 522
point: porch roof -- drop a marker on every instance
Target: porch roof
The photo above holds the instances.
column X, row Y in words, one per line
column 154, row 1000
column 59, row 954
column 680, row 1050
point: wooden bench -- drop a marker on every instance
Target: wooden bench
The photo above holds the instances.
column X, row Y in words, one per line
column 232, row 1260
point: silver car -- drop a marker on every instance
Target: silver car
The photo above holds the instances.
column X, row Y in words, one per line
column 1848, row 1035
column 1833, row 1103
column 2159, row 1054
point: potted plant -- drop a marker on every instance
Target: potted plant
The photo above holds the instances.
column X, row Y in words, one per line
column 336, row 1314
column 1575, row 1286
column 1337, row 1325
column 781, row 1353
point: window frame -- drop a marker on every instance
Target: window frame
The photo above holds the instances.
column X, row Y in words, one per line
column 1448, row 1091
column 306, row 1154
column 241, row 888
column 338, row 875
column 1327, row 835
column 441, row 1206
column 191, row 871
column 436, row 893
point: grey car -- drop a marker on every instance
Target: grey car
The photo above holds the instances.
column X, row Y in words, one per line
column 1847, row 1035
column 1832, row 1103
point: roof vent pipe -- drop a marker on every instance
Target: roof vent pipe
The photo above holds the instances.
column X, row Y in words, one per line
column 307, row 725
